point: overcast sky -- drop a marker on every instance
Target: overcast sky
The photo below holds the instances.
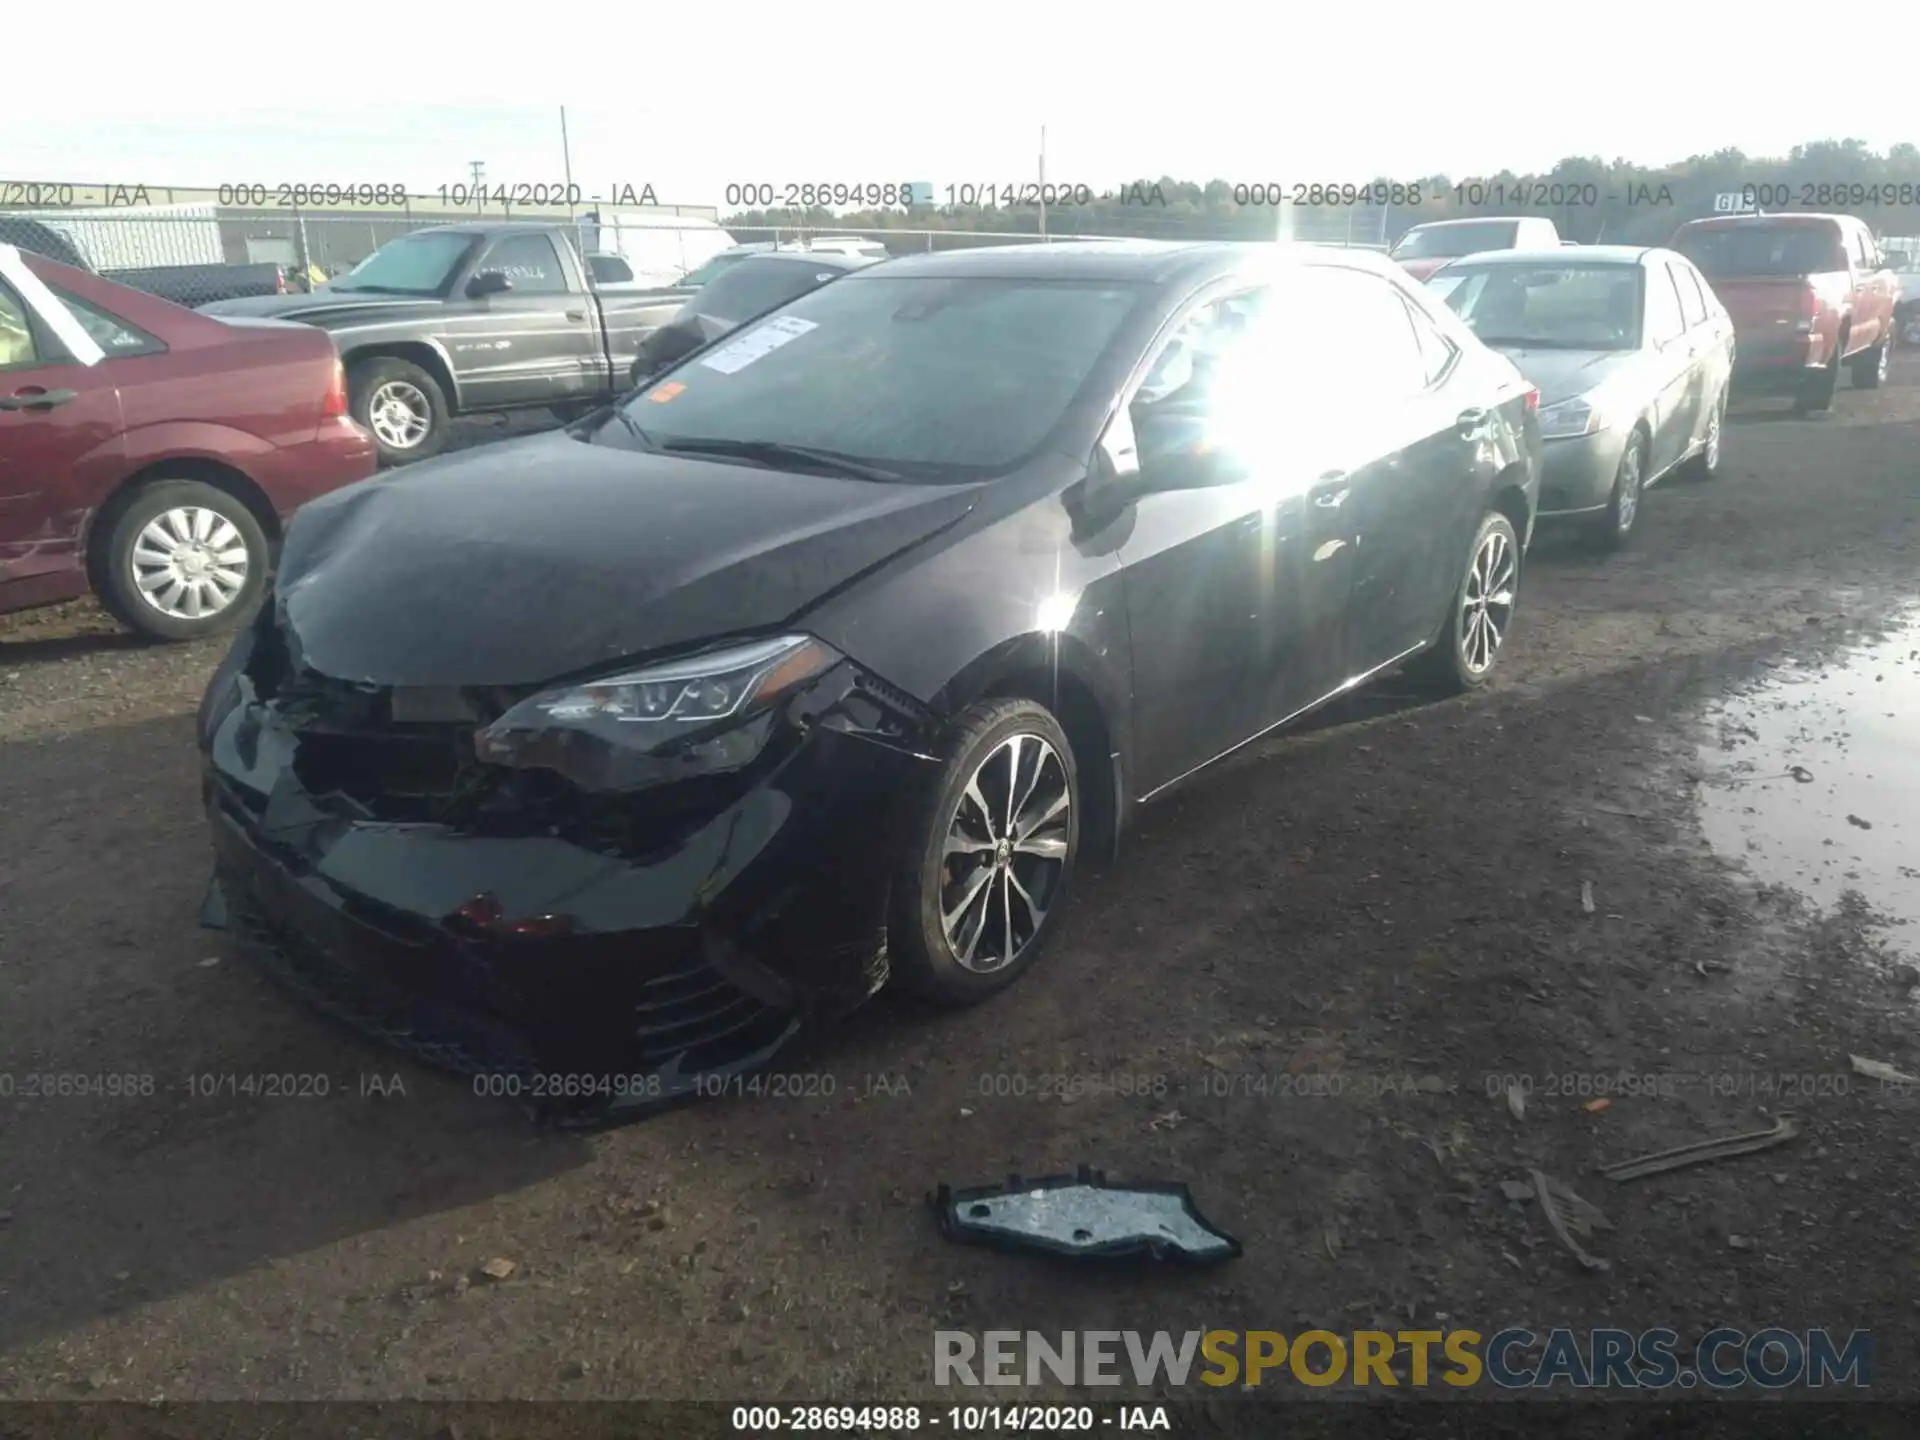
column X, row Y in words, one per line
column 689, row 99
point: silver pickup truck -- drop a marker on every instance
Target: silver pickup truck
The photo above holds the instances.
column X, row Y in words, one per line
column 471, row 319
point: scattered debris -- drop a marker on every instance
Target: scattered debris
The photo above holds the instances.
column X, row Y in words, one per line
column 965, row 1112
column 1595, row 1106
column 1586, row 896
column 1083, row 1215
column 1512, row 1259
column 1699, row 1153
column 1644, row 719
column 1516, row 1103
column 1711, row 967
column 207, row 963
column 498, row 1269
column 1580, row 1216
column 1167, row 1121
column 1801, row 774
column 1880, row 1070
column 1518, row 1191
column 1739, row 1242
column 1858, row 823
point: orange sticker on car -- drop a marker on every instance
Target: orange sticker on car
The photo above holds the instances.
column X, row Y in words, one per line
column 666, row 392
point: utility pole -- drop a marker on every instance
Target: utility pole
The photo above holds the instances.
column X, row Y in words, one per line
column 1043, row 183
column 566, row 159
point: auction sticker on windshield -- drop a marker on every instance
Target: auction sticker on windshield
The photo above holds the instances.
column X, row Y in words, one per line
column 764, row 340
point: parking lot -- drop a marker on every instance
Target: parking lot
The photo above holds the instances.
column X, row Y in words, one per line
column 1391, row 901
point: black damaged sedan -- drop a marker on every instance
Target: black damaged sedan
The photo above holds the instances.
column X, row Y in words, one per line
column 599, row 763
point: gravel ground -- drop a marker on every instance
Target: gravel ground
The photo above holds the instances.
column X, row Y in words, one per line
column 1392, row 900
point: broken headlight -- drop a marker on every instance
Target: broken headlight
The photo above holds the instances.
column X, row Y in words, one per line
column 702, row 714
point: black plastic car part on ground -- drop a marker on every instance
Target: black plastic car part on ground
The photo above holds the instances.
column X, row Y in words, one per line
column 603, row 761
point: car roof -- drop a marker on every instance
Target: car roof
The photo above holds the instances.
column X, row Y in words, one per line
column 1478, row 220
column 1153, row 262
column 1797, row 217
column 1594, row 254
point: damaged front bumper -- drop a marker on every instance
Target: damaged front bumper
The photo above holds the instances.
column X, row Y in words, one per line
column 586, row 954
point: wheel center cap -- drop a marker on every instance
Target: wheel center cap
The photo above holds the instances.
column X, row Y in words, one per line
column 1003, row 854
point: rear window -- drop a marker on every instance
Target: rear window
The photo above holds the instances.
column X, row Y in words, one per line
column 1782, row 251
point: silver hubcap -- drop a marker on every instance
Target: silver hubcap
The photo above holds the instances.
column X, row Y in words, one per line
column 1886, row 356
column 1489, row 603
column 1629, row 505
column 1005, row 853
column 1713, row 434
column 189, row 563
column 399, row 414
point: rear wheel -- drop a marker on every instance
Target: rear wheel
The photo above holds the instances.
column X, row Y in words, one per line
column 978, row 895
column 1706, row 465
column 1479, row 616
column 1817, row 387
column 182, row 560
column 1870, row 369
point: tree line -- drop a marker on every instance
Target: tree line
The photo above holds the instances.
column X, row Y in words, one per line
column 1589, row 200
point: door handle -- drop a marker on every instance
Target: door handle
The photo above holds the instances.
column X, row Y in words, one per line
column 37, row 399
column 1471, row 422
column 1332, row 490
column 576, row 314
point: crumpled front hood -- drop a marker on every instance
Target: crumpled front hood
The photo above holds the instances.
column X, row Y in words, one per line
column 544, row 557
column 1562, row 374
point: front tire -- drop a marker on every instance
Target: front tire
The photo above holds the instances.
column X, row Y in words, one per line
column 1480, row 614
column 1613, row 526
column 402, row 406
column 183, row 560
column 980, row 891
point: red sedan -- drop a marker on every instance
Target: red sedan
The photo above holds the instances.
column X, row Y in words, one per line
column 150, row 453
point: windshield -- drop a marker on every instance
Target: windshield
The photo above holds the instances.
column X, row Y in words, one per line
column 1779, row 251
column 1446, row 242
column 702, row 274
column 1564, row 307
column 411, row 265
column 942, row 380
column 753, row 289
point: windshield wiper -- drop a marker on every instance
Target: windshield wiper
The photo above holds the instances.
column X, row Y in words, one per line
column 777, row 452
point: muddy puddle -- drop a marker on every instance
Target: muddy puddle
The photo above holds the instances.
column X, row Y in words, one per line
column 1812, row 778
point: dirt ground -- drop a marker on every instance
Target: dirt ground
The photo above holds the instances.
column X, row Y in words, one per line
column 1392, row 899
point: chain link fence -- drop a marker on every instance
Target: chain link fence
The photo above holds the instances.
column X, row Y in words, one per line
column 196, row 254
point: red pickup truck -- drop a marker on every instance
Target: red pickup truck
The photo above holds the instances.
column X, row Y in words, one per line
column 1807, row 293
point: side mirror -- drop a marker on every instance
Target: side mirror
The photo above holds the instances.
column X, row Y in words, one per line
column 488, row 282
column 1186, row 470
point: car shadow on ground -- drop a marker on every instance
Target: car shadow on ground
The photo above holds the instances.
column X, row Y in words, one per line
column 190, row 1121
column 40, row 650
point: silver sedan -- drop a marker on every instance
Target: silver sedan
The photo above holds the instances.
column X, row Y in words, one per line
column 1631, row 353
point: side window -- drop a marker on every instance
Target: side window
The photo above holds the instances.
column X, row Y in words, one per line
column 112, row 334
column 531, row 262
column 1863, row 247
column 17, row 349
column 1368, row 331
column 1693, row 306
column 1208, row 376
column 609, row 269
column 1692, row 282
column 1436, row 350
column 1665, row 321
